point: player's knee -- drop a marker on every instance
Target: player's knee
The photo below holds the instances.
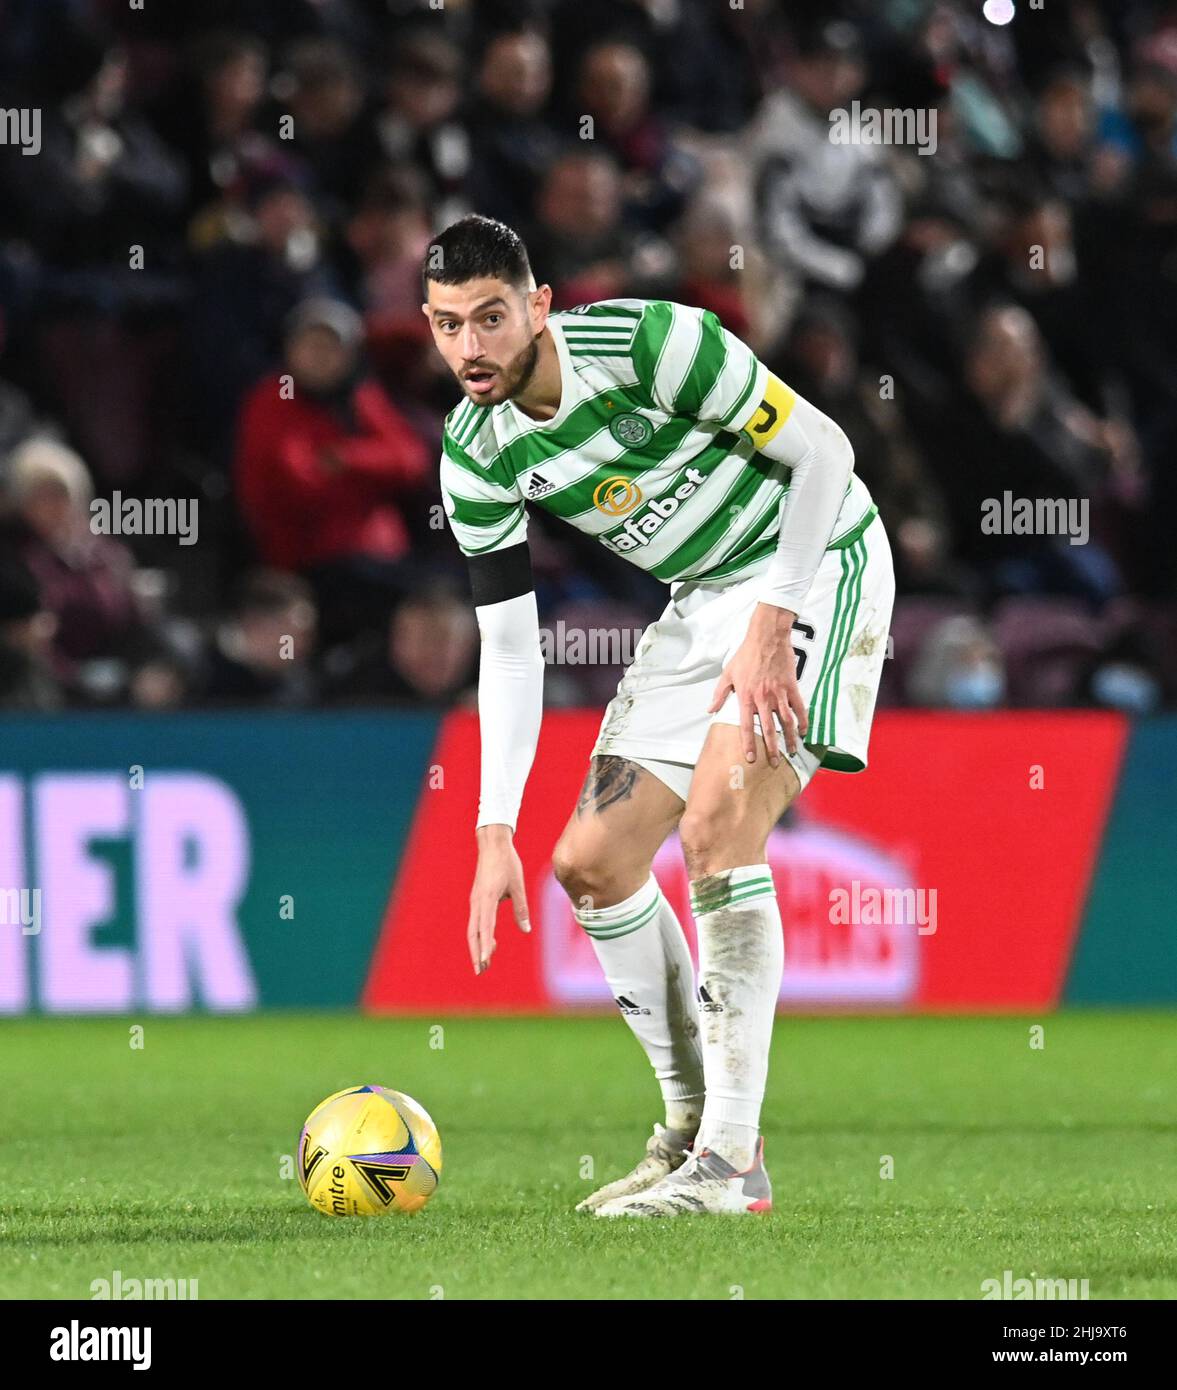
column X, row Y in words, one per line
column 582, row 874
column 718, row 838
column 704, row 839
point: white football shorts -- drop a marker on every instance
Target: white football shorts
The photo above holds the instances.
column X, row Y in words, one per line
column 659, row 718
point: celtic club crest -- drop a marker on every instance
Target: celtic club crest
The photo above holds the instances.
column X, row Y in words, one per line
column 631, row 430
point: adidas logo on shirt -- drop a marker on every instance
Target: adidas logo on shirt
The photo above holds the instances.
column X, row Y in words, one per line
column 538, row 486
column 627, row 1006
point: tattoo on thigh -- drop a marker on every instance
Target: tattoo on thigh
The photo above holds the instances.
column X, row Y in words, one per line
column 610, row 779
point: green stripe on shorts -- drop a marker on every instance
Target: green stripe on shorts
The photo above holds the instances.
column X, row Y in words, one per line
column 851, row 624
column 846, row 603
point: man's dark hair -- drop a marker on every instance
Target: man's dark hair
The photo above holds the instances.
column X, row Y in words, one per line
column 476, row 248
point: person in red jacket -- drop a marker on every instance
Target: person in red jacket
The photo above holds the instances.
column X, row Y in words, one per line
column 323, row 460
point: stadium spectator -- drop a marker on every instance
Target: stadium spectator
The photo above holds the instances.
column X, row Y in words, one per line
column 420, row 119
column 511, row 143
column 706, row 62
column 85, row 580
column 245, row 291
column 426, row 654
column 385, row 242
column 1034, row 261
column 711, row 276
column 1020, row 431
column 324, row 460
column 210, row 118
column 102, row 190
column 321, row 88
column 1062, row 145
column 613, row 90
column 579, row 240
column 959, row 667
column 821, row 360
column 713, row 74
column 261, row 653
column 1125, row 673
column 1152, row 112
column 826, row 207
column 101, row 182
column 386, row 237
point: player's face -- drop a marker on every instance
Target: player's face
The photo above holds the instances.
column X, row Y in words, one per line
column 487, row 330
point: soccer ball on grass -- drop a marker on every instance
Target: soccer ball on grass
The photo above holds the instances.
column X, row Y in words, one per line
column 368, row 1150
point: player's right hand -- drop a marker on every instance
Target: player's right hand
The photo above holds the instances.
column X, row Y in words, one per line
column 499, row 875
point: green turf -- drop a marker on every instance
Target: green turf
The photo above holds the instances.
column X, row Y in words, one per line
column 165, row 1162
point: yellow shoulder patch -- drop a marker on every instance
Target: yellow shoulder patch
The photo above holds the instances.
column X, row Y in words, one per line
column 772, row 412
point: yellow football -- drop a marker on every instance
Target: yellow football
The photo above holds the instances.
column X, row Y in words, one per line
column 368, row 1150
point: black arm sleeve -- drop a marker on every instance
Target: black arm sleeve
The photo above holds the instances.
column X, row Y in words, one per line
column 500, row 575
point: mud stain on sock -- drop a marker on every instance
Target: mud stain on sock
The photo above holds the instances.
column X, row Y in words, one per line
column 680, row 1009
column 734, row 951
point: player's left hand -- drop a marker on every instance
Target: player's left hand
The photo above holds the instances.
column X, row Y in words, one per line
column 763, row 674
column 499, row 876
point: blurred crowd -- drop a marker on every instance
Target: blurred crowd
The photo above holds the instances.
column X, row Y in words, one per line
column 209, row 290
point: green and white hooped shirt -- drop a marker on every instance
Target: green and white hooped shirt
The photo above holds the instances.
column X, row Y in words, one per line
column 653, row 451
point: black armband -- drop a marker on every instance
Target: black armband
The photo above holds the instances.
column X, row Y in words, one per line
column 500, row 575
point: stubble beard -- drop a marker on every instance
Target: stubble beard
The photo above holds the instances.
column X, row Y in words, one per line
column 516, row 375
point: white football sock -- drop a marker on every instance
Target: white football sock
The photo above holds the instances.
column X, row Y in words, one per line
column 647, row 962
column 741, row 957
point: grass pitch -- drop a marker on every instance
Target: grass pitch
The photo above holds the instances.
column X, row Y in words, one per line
column 167, row 1161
